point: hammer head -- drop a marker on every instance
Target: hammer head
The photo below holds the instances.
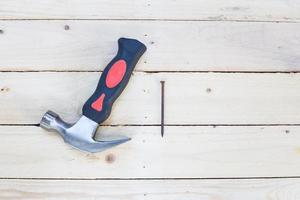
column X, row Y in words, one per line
column 80, row 134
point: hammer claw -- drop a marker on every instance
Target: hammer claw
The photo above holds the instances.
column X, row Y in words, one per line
column 98, row 146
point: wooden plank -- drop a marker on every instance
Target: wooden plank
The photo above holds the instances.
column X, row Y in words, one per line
column 190, row 98
column 206, row 46
column 279, row 189
column 152, row 9
column 184, row 152
column 25, row 97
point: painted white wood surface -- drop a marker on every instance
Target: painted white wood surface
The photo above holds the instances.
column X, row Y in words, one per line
column 184, row 152
column 203, row 35
column 190, row 98
column 152, row 9
column 277, row 189
column 172, row 45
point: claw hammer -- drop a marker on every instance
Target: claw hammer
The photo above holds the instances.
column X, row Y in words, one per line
column 98, row 107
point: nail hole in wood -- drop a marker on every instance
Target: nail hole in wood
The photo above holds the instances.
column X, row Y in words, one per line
column 110, row 158
column 208, row 90
column 67, row 27
column 5, row 89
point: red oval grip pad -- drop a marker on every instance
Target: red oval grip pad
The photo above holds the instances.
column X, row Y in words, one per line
column 98, row 104
column 116, row 74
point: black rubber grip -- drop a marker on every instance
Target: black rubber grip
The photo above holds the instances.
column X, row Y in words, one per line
column 113, row 80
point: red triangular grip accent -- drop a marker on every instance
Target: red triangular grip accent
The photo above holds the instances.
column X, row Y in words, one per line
column 97, row 105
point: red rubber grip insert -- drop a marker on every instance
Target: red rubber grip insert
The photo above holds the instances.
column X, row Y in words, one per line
column 97, row 105
column 116, row 74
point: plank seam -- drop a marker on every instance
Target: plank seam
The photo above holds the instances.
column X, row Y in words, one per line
column 296, row 20
column 171, row 125
column 143, row 179
column 152, row 72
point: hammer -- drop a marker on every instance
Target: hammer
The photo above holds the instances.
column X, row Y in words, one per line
column 98, row 107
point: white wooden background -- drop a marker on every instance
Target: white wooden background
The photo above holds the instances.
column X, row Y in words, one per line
column 232, row 109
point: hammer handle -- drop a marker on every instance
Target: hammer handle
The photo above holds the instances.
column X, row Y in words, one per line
column 113, row 80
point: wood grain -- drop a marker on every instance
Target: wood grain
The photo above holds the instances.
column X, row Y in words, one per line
column 257, row 114
column 279, row 189
column 152, row 9
column 196, row 46
column 190, row 98
column 184, row 152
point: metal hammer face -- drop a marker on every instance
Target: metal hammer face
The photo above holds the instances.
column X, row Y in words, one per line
column 98, row 107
